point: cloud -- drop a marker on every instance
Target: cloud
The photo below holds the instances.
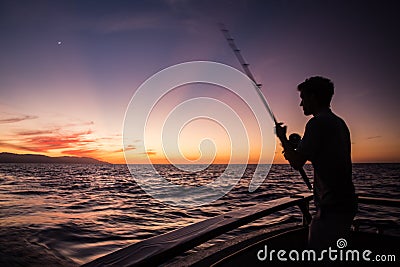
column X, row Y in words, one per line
column 80, row 152
column 168, row 16
column 47, row 140
column 374, row 137
column 132, row 23
column 16, row 146
column 128, row 148
column 51, row 142
column 74, row 138
column 87, row 123
column 150, row 152
column 127, row 22
column 12, row 118
column 34, row 132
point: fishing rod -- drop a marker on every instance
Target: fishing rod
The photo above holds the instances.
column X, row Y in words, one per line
column 293, row 138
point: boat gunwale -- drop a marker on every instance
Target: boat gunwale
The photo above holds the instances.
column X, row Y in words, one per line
column 159, row 249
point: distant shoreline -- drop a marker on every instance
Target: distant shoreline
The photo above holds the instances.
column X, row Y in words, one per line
column 6, row 157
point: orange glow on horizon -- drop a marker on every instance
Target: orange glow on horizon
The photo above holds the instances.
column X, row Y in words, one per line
column 367, row 151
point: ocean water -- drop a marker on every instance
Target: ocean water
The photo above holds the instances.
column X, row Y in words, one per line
column 69, row 214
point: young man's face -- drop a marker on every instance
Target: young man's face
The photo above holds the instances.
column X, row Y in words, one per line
column 307, row 103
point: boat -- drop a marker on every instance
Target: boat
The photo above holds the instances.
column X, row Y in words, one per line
column 254, row 250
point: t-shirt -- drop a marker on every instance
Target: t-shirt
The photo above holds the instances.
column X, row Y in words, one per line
column 326, row 143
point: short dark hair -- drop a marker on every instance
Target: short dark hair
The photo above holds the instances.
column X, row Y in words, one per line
column 321, row 87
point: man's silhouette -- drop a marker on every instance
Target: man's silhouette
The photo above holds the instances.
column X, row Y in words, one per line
column 326, row 143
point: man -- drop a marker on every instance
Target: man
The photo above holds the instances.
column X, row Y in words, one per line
column 326, row 143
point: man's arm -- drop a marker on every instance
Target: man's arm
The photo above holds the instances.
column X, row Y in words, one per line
column 296, row 159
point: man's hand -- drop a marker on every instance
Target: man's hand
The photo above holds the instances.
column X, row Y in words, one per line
column 281, row 131
column 295, row 159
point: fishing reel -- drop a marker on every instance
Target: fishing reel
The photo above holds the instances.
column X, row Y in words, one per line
column 294, row 140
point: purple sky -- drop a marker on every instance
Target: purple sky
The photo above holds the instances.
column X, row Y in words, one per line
column 69, row 68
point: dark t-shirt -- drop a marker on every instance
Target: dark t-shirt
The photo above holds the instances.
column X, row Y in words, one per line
column 326, row 143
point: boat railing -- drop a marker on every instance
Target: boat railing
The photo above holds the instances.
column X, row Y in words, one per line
column 380, row 225
column 158, row 249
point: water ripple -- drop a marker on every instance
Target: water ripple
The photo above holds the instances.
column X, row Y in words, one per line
column 80, row 212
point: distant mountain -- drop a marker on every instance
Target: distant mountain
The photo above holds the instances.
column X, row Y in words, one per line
column 6, row 157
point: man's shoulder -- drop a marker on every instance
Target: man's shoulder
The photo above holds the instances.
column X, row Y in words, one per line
column 326, row 120
column 314, row 121
column 325, row 117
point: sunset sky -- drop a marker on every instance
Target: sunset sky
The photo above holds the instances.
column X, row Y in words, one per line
column 68, row 70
